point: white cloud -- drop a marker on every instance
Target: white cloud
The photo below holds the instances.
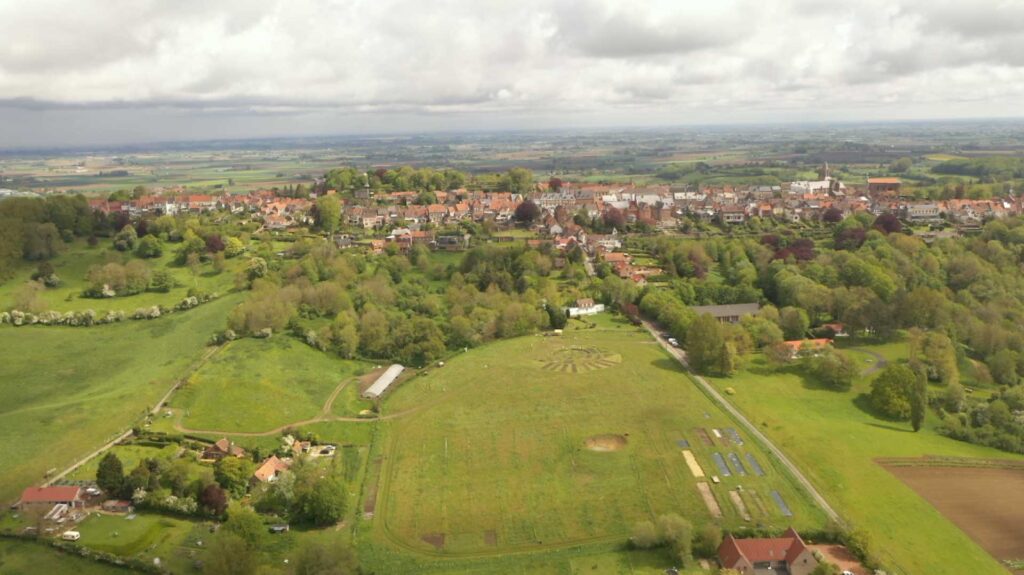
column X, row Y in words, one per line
column 490, row 61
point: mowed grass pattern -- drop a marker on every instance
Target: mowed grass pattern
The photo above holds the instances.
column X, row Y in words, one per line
column 67, row 390
column 257, row 385
column 835, row 442
column 495, row 460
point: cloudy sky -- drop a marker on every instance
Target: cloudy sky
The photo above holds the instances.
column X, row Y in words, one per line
column 81, row 72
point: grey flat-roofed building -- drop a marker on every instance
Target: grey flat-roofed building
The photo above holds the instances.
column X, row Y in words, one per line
column 729, row 313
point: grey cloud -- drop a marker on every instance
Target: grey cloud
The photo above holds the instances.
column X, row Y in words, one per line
column 194, row 67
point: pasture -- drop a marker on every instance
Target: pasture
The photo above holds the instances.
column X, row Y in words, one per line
column 68, row 390
column 543, row 443
column 74, row 263
column 26, row 558
column 835, row 440
column 130, row 456
column 258, row 385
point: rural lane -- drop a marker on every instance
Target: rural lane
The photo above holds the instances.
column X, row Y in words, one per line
column 750, row 427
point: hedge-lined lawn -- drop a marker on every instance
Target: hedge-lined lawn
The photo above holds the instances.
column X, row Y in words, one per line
column 835, row 441
column 73, row 265
column 68, row 390
column 495, row 459
column 257, row 385
column 25, row 558
column 128, row 535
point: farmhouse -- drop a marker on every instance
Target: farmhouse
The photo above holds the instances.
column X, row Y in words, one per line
column 383, row 382
column 585, row 306
column 221, row 449
column 730, row 313
column 786, row 554
column 270, row 470
column 42, row 498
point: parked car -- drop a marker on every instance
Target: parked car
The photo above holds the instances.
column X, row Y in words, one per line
column 71, row 536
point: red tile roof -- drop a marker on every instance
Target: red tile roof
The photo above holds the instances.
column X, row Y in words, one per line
column 59, row 493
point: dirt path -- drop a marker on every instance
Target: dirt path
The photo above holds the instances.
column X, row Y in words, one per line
column 750, row 427
column 880, row 362
column 324, row 415
column 126, row 434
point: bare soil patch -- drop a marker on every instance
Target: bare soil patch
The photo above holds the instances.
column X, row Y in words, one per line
column 371, row 492
column 709, row 500
column 607, row 442
column 491, row 537
column 841, row 556
column 986, row 503
column 702, row 434
column 435, row 539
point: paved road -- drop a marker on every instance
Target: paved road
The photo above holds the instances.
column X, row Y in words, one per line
column 750, row 427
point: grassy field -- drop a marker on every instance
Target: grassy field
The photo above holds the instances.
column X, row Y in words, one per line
column 120, row 535
column 24, row 558
column 256, row 385
column 73, row 265
column 130, row 456
column 67, row 390
column 496, row 457
column 835, row 441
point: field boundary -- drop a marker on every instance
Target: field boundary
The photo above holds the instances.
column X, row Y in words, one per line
column 950, row 461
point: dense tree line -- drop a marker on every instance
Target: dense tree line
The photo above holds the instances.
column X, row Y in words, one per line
column 386, row 307
column 962, row 300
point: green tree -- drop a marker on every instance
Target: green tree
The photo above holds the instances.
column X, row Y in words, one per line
column 150, row 247
column 677, row 533
column 125, row 239
column 705, row 344
column 517, row 181
column 918, row 402
column 228, row 554
column 826, row 568
column 330, row 557
column 233, row 247
column 233, row 473
column 1003, row 367
column 834, row 369
column 328, row 213
column 892, row 390
column 794, row 322
column 110, row 475
column 645, row 535
column 707, row 540
column 320, row 501
column 247, row 525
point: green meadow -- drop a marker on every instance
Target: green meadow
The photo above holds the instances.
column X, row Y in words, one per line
column 257, row 385
column 491, row 455
column 834, row 439
column 68, row 390
column 73, row 265
column 26, row 558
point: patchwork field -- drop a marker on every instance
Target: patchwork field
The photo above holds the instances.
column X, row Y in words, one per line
column 504, row 453
column 67, row 390
column 987, row 503
column 257, row 385
column 835, row 441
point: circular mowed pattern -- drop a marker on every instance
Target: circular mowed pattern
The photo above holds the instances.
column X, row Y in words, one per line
column 579, row 359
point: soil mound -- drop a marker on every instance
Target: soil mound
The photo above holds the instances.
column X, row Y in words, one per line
column 607, row 442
